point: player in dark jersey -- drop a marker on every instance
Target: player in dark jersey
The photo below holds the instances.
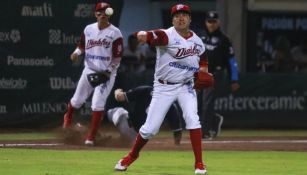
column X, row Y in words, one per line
column 139, row 99
column 223, row 66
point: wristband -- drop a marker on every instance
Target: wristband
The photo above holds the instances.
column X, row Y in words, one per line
column 78, row 51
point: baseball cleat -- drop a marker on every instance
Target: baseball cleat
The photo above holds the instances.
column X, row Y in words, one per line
column 119, row 166
column 200, row 168
column 123, row 163
column 89, row 142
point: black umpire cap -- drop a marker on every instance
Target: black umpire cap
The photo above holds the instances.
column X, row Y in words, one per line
column 212, row 15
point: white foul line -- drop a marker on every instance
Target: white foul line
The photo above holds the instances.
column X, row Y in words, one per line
column 28, row 144
column 254, row 141
column 240, row 141
column 3, row 145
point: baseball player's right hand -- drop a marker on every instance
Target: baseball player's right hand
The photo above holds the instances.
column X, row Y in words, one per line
column 73, row 57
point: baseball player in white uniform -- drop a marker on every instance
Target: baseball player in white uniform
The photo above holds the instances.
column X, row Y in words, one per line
column 180, row 54
column 102, row 44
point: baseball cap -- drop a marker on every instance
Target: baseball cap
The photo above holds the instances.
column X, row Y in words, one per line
column 102, row 6
column 212, row 15
column 180, row 8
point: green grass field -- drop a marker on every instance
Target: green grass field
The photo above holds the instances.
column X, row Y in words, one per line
column 52, row 162
column 21, row 161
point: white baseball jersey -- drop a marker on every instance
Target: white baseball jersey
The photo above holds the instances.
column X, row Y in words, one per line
column 103, row 50
column 101, row 46
column 178, row 61
column 178, row 58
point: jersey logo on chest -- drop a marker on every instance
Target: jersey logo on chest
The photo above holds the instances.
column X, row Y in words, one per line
column 185, row 52
column 101, row 42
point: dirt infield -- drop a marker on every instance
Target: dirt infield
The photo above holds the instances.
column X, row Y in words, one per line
column 110, row 139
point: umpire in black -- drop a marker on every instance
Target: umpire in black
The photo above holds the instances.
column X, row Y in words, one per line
column 223, row 66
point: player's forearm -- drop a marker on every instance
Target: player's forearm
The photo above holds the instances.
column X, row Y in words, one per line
column 117, row 51
column 203, row 63
column 114, row 64
column 74, row 56
column 153, row 37
column 81, row 43
column 157, row 38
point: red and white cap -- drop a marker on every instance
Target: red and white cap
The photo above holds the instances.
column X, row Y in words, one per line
column 102, row 6
column 180, row 8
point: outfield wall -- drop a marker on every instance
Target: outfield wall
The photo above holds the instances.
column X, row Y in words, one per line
column 266, row 100
column 263, row 101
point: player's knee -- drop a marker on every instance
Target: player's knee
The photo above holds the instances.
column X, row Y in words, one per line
column 97, row 108
column 75, row 104
column 193, row 123
column 148, row 133
column 117, row 115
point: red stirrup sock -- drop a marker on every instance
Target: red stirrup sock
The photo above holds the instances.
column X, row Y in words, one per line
column 195, row 137
column 68, row 116
column 138, row 145
column 70, row 111
column 95, row 123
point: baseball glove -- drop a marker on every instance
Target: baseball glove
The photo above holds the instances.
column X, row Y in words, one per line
column 203, row 80
column 96, row 79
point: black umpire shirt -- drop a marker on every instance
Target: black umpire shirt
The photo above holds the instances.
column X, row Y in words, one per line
column 219, row 50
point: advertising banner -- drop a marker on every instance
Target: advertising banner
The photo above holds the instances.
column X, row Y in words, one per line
column 266, row 101
column 270, row 34
column 37, row 77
